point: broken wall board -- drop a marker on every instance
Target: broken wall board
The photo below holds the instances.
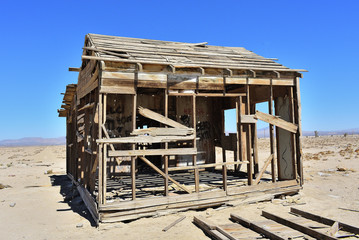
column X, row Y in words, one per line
column 284, row 140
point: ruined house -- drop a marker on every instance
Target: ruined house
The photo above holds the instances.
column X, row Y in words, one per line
column 146, row 127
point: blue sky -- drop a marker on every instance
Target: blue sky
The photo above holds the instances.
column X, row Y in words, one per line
column 41, row 39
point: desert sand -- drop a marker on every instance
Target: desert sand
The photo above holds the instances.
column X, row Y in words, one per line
column 33, row 203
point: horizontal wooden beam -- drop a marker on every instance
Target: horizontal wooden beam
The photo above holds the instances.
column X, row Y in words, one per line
column 146, row 139
column 163, row 131
column 276, row 121
column 89, row 105
column 73, row 69
column 248, row 119
column 206, row 165
column 207, row 94
column 153, row 152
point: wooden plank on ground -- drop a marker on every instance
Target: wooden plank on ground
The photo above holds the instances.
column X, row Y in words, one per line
column 174, row 223
column 256, row 227
column 276, row 121
column 292, row 224
column 160, row 118
column 324, row 220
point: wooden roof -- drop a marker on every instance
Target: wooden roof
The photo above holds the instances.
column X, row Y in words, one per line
column 178, row 54
column 67, row 100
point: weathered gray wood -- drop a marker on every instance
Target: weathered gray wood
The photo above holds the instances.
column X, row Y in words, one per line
column 207, row 165
column 267, row 162
column 231, row 66
column 284, row 141
column 248, row 119
column 324, row 220
column 174, row 223
column 276, row 121
column 271, row 133
column 153, row 152
column 146, row 139
column 255, row 227
column 292, row 224
column 160, row 118
column 163, row 131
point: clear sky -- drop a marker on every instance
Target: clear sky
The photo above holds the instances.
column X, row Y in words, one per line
column 39, row 40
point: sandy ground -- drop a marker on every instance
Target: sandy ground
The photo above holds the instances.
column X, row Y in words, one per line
column 34, row 185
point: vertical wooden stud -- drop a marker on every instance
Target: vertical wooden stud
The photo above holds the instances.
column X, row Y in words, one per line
column 298, row 112
column 133, row 159
column 104, row 167
column 194, row 158
column 239, row 132
column 249, row 141
column 166, row 147
column 293, row 139
column 99, row 152
column 271, row 134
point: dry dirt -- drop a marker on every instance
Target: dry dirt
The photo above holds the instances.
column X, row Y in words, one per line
column 33, row 185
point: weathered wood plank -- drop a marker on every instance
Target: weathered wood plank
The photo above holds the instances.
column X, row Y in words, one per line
column 324, row 220
column 174, row 223
column 160, row 118
column 163, row 131
column 88, row 105
column 292, row 224
column 146, row 139
column 267, row 162
column 256, row 227
column 208, row 165
column 153, row 152
column 248, row 119
column 276, row 121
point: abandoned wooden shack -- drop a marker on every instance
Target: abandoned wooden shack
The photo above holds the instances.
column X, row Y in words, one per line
column 146, row 127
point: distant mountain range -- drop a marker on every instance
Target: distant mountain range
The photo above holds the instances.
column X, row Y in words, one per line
column 264, row 132
column 33, row 141
column 261, row 133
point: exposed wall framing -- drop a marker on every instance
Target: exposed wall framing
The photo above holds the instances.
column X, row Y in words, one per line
column 145, row 126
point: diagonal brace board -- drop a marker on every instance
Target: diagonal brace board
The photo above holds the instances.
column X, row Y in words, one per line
column 148, row 162
column 159, row 118
column 267, row 162
column 276, row 121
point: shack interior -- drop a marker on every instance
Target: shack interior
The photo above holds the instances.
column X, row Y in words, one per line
column 146, row 126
